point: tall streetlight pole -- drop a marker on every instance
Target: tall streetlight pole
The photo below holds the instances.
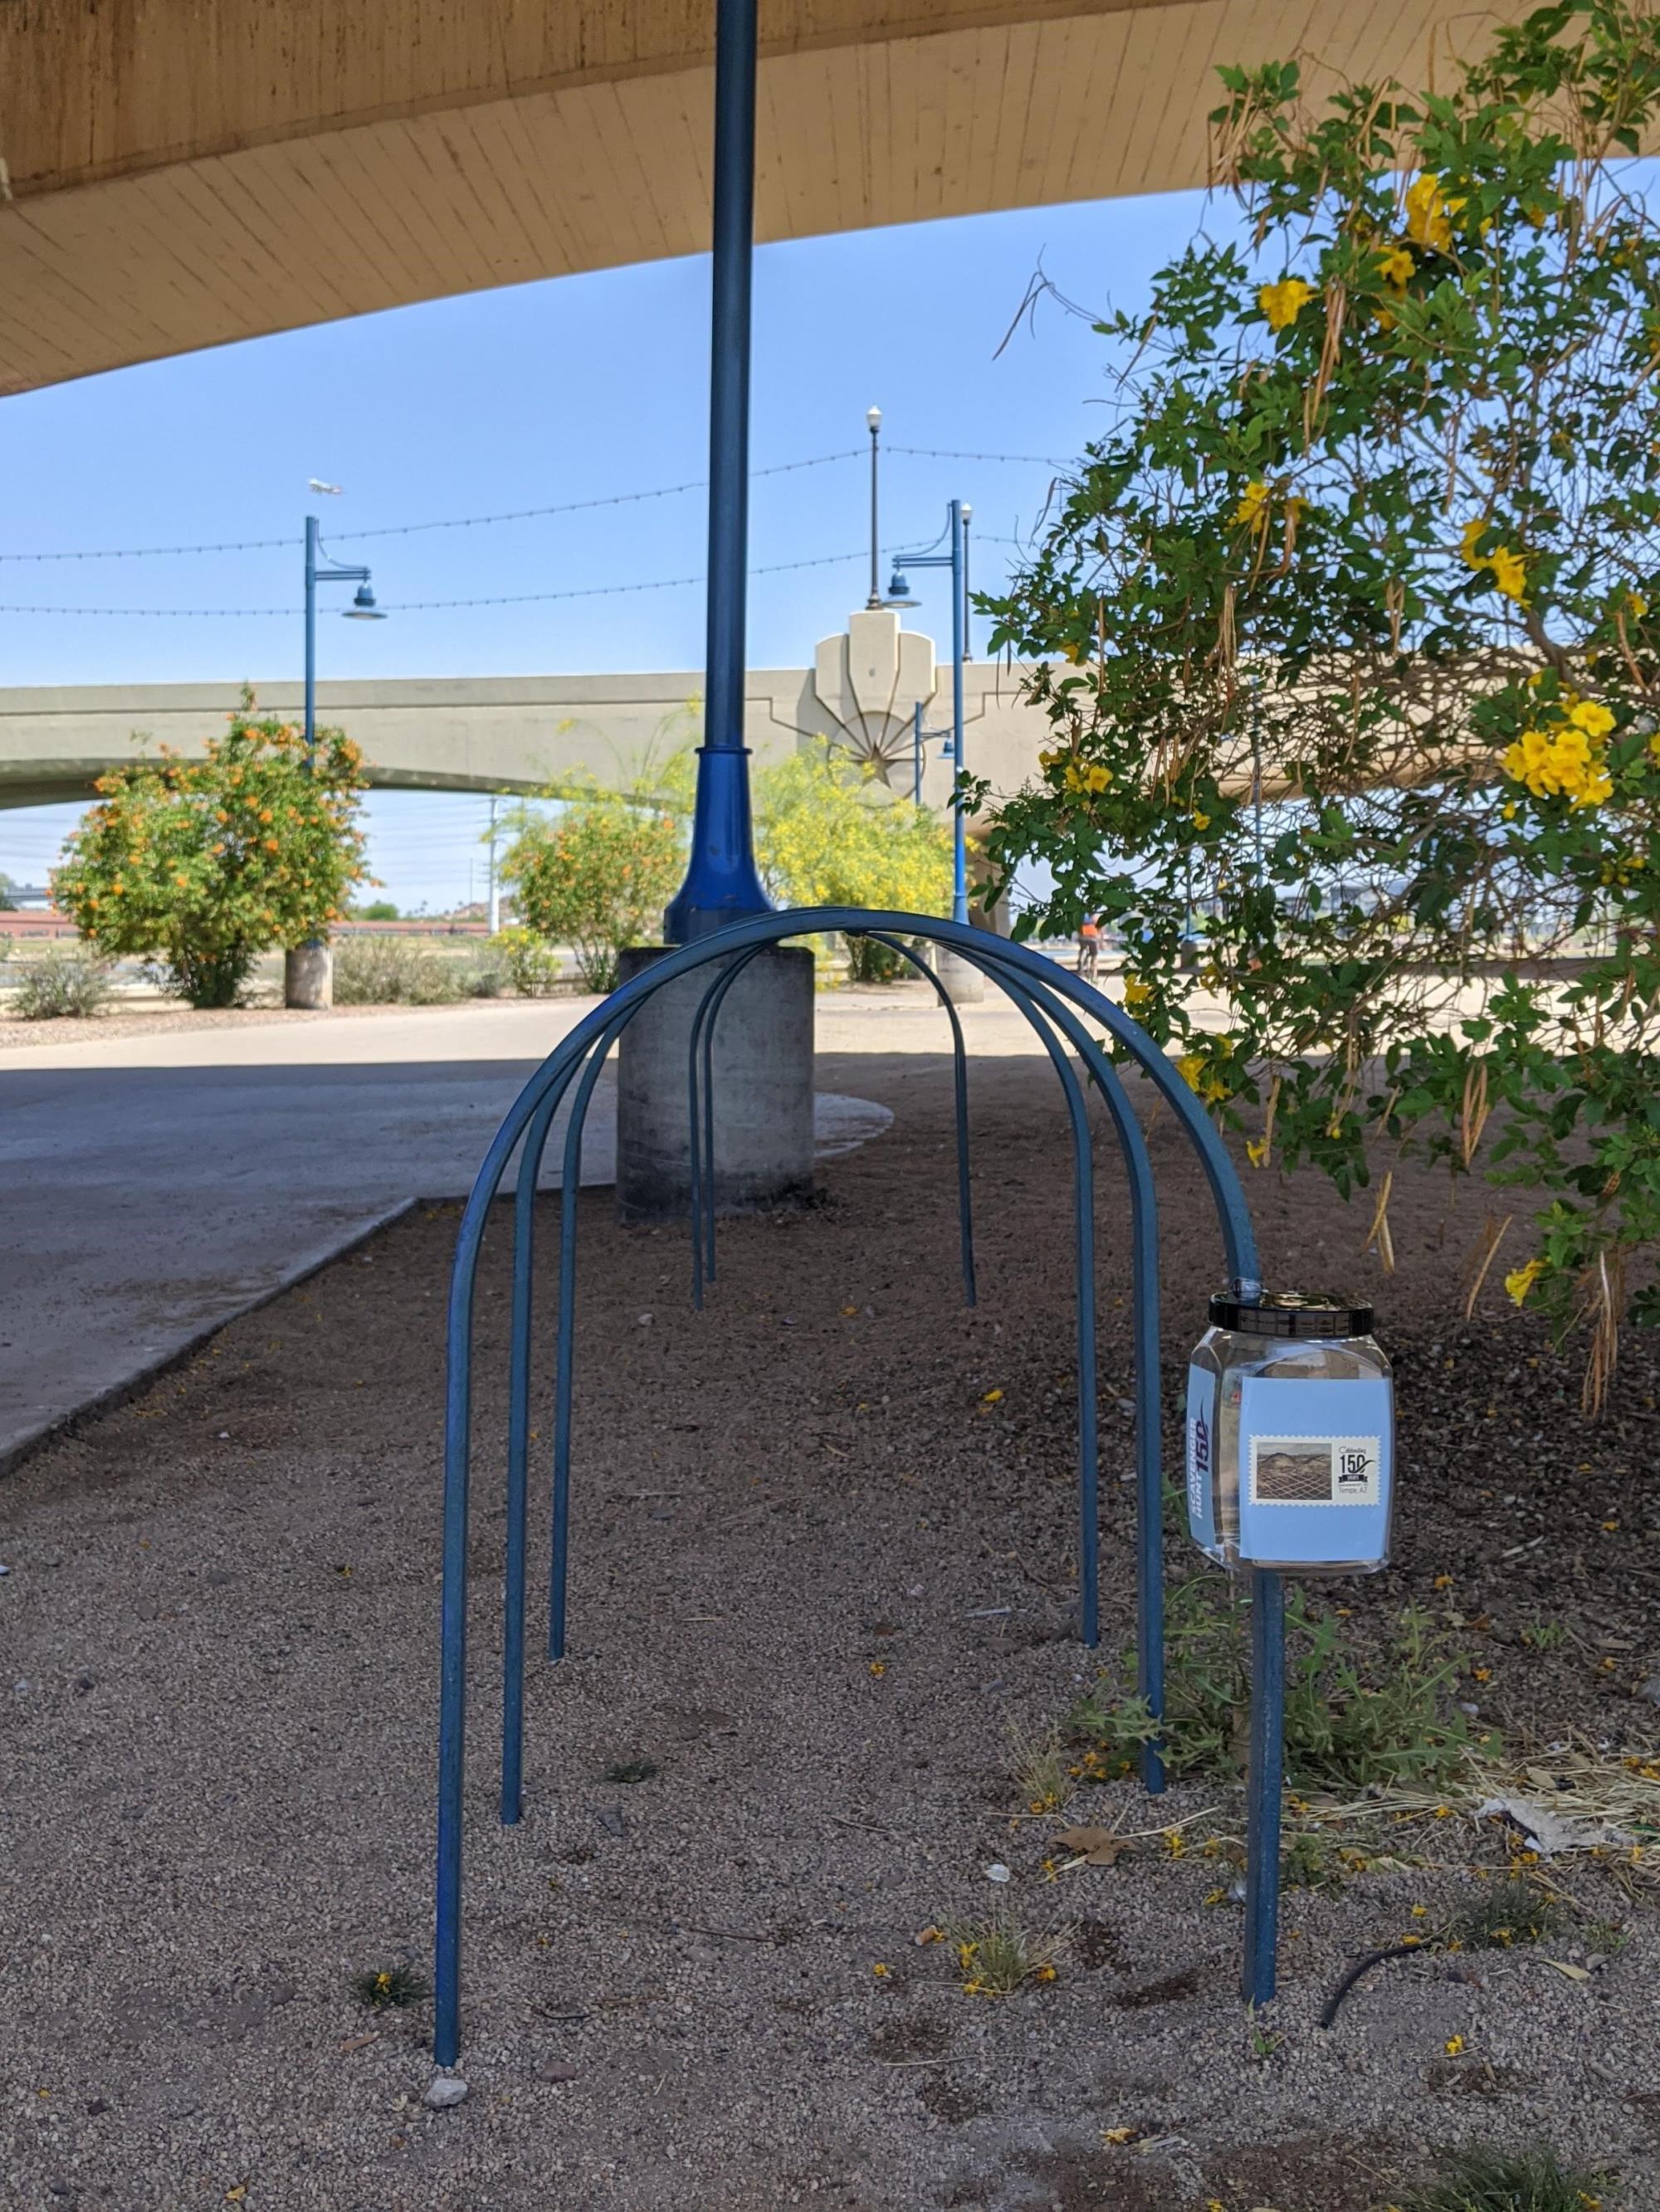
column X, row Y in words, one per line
column 308, row 970
column 873, row 420
column 722, row 884
column 363, row 609
column 959, row 514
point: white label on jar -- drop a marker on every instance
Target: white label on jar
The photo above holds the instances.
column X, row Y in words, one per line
column 1315, row 1470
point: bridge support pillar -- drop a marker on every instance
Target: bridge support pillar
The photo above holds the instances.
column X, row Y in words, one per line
column 309, row 978
column 762, row 1088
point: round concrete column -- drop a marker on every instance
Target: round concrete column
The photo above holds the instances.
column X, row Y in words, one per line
column 763, row 1080
column 309, row 978
column 961, row 977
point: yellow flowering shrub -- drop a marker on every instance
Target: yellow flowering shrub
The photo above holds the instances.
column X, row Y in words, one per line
column 1344, row 631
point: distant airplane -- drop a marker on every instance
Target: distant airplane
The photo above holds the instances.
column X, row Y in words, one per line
column 316, row 483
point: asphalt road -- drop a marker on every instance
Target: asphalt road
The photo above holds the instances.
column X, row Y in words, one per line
column 153, row 1186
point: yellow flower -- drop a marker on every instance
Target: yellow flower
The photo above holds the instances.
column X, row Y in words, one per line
column 1257, row 1151
column 1200, row 820
column 1467, row 543
column 1594, row 720
column 1427, row 214
column 1136, row 993
column 1098, row 778
column 1636, row 605
column 1521, row 1280
column 1190, row 1067
column 1282, row 303
column 1453, row 2045
column 1397, row 266
column 1117, row 2135
column 1510, row 572
column 1252, row 511
column 881, row 1972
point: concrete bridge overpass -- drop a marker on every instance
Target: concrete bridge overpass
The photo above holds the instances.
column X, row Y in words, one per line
column 528, row 733
column 177, row 173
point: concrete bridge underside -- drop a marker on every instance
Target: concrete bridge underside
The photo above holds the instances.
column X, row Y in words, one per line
column 178, row 174
column 506, row 734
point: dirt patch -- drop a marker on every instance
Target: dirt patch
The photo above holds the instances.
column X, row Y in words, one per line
column 823, row 1562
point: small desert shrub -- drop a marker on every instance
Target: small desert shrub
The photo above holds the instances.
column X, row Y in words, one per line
column 1390, row 1718
column 385, row 971
column 1037, row 1768
column 73, row 984
column 482, row 976
column 530, row 965
column 996, row 1957
column 392, row 1985
column 1510, row 1912
column 1511, row 2181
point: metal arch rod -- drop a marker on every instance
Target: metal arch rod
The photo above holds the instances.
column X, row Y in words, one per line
column 1150, row 1630
column 1144, row 1217
column 1264, row 1786
column 565, row 1333
column 960, row 1081
column 1145, row 1321
column 513, row 1598
column 515, row 1578
column 1089, row 1442
column 1233, row 1216
column 701, row 1128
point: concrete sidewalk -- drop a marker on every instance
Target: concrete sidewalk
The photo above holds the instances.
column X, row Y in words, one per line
column 150, row 1188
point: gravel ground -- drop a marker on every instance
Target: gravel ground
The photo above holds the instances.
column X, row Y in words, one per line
column 819, row 1574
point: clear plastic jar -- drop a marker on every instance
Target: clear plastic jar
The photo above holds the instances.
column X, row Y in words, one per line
column 1290, row 1436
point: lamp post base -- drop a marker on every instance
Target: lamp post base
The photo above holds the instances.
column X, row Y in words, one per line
column 309, row 978
column 763, row 1087
column 961, row 977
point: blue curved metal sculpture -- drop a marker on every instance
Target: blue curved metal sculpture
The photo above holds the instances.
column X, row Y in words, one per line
column 1053, row 1001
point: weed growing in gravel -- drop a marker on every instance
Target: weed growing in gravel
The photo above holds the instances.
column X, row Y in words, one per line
column 632, row 1770
column 1545, row 1635
column 1607, row 1936
column 1309, row 1860
column 996, row 1957
column 1512, row 1912
column 1388, row 1719
column 1511, row 2181
column 1037, row 1768
column 393, row 1985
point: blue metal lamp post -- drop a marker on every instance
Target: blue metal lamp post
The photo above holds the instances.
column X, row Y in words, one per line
column 307, row 968
column 957, row 560
column 363, row 609
column 722, row 884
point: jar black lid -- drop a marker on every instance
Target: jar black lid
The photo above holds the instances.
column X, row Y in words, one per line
column 1292, row 1313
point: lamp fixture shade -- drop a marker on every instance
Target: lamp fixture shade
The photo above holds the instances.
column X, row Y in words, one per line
column 362, row 607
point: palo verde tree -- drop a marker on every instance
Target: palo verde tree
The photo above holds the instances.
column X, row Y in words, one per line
column 1349, row 634
column 829, row 832
column 199, row 866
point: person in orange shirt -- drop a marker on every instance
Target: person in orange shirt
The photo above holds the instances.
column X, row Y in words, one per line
column 1089, row 947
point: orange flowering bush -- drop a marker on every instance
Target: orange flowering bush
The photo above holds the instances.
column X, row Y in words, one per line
column 199, row 866
column 598, row 876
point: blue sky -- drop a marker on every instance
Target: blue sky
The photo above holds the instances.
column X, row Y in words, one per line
column 580, row 388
